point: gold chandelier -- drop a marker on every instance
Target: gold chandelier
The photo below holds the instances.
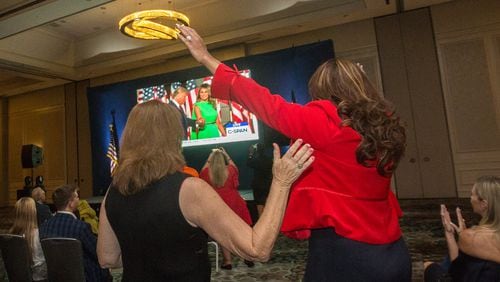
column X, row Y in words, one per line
column 153, row 24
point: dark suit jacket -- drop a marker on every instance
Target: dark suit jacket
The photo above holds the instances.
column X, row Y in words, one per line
column 184, row 119
column 42, row 213
column 66, row 226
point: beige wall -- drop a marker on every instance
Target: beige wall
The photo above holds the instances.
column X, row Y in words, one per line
column 467, row 36
column 468, row 45
column 37, row 118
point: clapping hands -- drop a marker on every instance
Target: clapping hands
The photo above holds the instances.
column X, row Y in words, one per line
column 449, row 226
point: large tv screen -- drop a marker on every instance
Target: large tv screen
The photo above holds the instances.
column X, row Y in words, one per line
column 225, row 121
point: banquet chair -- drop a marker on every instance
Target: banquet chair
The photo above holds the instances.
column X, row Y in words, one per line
column 64, row 257
column 15, row 254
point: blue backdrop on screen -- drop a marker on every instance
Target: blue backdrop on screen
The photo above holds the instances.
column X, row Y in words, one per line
column 281, row 71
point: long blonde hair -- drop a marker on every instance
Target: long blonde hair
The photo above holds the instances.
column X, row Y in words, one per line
column 150, row 147
column 488, row 189
column 364, row 109
column 25, row 221
column 218, row 169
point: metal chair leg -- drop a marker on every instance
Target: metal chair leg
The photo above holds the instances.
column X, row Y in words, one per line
column 216, row 254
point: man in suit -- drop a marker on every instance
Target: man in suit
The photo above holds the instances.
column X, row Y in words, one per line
column 43, row 212
column 65, row 224
column 178, row 99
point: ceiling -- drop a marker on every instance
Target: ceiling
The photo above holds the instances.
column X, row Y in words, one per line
column 44, row 43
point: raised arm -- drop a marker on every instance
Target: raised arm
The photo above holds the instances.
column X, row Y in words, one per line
column 108, row 248
column 201, row 206
column 313, row 122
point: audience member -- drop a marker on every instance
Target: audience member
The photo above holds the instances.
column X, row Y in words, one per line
column 261, row 163
column 25, row 224
column 222, row 174
column 476, row 256
column 344, row 204
column 206, row 112
column 154, row 217
column 42, row 210
column 177, row 100
column 65, row 224
column 88, row 214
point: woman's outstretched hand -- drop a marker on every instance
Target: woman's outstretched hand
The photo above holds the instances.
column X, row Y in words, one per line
column 294, row 162
column 197, row 47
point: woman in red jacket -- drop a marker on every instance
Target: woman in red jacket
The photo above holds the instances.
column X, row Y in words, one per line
column 343, row 204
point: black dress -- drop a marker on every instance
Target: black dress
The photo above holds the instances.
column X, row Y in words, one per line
column 464, row 268
column 156, row 241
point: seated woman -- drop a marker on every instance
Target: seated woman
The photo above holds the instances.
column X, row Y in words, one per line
column 204, row 108
column 156, row 219
column 88, row 214
column 221, row 173
column 476, row 256
column 25, row 224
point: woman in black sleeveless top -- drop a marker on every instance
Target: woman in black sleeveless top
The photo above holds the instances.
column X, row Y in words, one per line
column 154, row 218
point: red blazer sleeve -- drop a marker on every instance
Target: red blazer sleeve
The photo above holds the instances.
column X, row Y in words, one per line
column 313, row 122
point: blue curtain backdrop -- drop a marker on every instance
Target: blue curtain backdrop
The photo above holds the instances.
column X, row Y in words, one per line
column 281, row 71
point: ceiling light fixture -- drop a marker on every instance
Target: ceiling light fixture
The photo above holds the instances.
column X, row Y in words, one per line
column 153, row 24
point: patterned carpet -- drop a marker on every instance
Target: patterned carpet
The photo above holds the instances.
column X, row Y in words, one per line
column 421, row 227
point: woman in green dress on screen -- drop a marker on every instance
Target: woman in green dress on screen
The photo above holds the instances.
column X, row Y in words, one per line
column 204, row 108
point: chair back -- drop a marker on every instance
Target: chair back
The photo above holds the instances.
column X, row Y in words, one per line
column 64, row 257
column 16, row 257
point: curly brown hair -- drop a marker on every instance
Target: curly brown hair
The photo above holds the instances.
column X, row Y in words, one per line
column 361, row 107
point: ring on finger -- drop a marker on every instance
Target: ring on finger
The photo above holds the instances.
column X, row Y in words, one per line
column 299, row 165
column 188, row 38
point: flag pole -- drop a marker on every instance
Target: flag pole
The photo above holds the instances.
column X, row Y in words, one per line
column 115, row 133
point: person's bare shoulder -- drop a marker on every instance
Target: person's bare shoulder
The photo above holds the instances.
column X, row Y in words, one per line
column 482, row 242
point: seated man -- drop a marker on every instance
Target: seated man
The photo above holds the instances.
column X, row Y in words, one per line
column 65, row 224
column 42, row 210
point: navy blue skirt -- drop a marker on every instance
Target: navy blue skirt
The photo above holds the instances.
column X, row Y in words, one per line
column 335, row 258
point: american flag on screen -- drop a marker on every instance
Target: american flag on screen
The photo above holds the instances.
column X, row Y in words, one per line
column 156, row 92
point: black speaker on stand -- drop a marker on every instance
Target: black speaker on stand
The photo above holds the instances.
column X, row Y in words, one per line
column 31, row 156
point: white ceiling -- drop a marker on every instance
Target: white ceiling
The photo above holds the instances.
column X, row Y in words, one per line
column 49, row 42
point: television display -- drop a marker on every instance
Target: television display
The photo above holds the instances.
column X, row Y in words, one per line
column 224, row 121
